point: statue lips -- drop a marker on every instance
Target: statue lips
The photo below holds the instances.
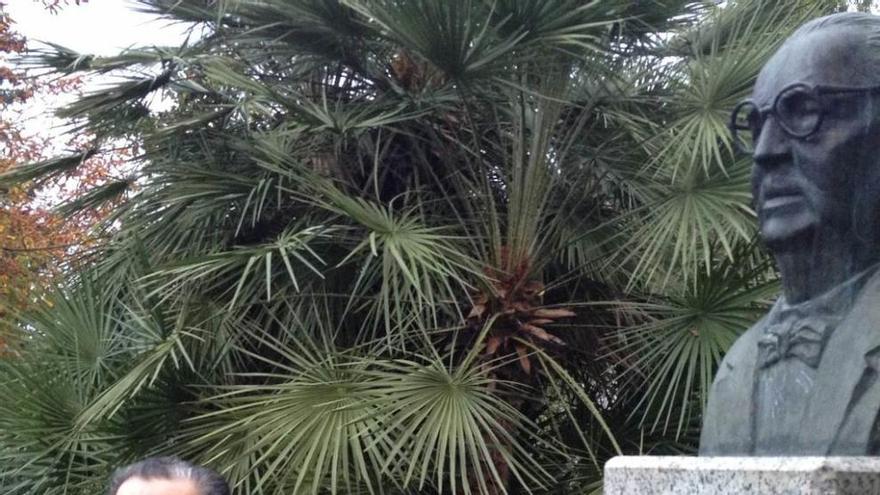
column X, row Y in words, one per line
column 781, row 200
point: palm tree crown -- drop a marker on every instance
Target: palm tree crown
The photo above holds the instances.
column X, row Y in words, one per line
column 388, row 246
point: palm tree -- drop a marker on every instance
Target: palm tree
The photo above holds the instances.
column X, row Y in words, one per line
column 386, row 246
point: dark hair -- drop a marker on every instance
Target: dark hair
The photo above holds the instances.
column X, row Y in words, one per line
column 171, row 468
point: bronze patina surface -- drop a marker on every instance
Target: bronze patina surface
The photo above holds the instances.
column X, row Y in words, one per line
column 805, row 380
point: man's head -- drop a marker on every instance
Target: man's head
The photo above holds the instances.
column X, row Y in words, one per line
column 166, row 476
column 817, row 134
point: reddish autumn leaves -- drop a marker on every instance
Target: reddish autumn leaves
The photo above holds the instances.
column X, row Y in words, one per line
column 36, row 243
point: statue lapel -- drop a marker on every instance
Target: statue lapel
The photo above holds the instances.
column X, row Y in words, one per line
column 734, row 384
column 846, row 393
column 857, row 429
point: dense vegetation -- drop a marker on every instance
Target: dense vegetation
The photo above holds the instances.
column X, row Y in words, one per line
column 388, row 246
column 38, row 245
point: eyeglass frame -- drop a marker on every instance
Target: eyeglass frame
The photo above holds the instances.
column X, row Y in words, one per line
column 814, row 91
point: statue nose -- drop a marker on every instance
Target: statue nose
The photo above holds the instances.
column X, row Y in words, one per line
column 773, row 143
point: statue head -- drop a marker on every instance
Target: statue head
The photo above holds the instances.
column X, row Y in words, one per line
column 813, row 127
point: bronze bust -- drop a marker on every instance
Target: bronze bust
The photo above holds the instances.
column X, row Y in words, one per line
column 805, row 380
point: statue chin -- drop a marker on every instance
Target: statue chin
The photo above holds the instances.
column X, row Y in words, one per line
column 787, row 233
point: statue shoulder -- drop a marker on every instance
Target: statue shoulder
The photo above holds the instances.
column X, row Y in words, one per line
column 726, row 428
column 743, row 351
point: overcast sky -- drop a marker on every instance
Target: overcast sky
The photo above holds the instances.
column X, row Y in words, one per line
column 98, row 27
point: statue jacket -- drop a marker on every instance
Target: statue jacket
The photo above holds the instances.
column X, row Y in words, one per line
column 841, row 416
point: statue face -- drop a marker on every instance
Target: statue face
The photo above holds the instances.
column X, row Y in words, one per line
column 803, row 182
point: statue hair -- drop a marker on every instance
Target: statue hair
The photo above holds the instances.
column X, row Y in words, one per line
column 861, row 20
column 862, row 23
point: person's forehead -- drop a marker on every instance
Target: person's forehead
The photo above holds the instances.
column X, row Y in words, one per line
column 157, row 486
column 834, row 56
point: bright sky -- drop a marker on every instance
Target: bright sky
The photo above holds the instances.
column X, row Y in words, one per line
column 101, row 27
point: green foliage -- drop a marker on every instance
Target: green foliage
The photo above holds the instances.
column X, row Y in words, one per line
column 402, row 246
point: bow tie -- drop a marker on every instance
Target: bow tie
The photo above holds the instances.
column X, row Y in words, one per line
column 801, row 338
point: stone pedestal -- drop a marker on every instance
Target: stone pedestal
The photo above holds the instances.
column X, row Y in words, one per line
column 648, row 475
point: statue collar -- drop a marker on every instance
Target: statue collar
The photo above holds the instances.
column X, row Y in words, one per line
column 801, row 330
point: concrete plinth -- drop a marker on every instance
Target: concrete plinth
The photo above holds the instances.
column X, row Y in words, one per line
column 651, row 475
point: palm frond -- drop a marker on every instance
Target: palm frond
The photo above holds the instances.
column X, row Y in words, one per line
column 414, row 266
column 248, row 272
column 449, row 425
column 45, row 170
column 680, row 340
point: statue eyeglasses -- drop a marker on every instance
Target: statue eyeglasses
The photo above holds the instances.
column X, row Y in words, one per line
column 798, row 109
